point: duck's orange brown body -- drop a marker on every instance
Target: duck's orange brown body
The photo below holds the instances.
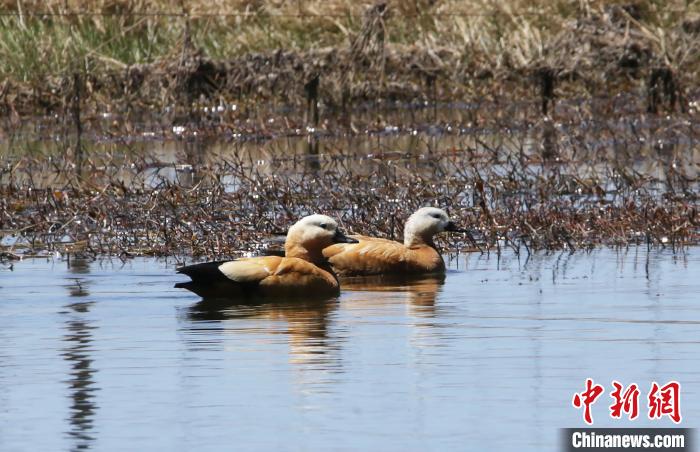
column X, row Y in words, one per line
column 276, row 275
column 375, row 256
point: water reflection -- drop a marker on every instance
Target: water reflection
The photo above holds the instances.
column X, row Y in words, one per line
column 313, row 163
column 306, row 324
column 662, row 151
column 419, row 293
column 411, row 365
column 79, row 338
column 308, row 328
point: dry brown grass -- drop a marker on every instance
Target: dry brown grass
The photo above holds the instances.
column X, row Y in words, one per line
column 461, row 47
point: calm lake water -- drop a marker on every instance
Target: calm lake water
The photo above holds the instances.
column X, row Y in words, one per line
column 109, row 356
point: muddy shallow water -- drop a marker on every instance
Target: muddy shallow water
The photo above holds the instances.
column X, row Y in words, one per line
column 108, row 355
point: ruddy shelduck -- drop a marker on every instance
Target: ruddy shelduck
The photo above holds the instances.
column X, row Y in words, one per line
column 302, row 271
column 376, row 256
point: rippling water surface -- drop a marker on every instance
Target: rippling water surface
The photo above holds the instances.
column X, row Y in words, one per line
column 108, row 355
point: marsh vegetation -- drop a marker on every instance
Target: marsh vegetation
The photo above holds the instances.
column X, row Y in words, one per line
column 135, row 128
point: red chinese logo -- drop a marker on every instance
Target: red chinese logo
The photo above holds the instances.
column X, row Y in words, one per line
column 587, row 398
column 665, row 401
column 627, row 402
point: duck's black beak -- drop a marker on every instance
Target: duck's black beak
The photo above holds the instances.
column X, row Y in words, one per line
column 451, row 227
column 339, row 237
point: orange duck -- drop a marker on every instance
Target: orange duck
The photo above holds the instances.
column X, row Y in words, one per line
column 376, row 256
column 302, row 271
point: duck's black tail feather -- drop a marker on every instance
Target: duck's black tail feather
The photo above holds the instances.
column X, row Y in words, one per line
column 204, row 273
column 209, row 282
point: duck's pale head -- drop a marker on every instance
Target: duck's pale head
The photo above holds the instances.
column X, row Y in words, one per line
column 424, row 224
column 310, row 235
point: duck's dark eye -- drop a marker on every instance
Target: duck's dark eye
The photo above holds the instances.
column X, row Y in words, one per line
column 323, row 225
column 435, row 215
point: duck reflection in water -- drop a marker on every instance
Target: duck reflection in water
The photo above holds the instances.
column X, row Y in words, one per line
column 307, row 323
column 419, row 292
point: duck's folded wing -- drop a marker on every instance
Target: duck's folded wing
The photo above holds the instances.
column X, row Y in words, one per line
column 250, row 270
column 297, row 273
column 340, row 248
column 279, row 273
column 367, row 257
